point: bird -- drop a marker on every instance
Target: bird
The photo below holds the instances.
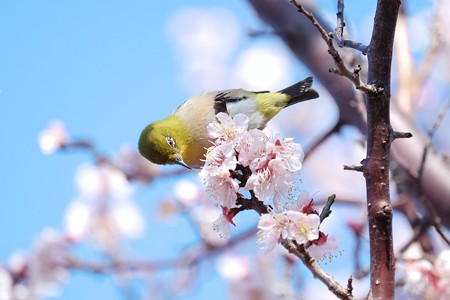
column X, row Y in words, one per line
column 181, row 138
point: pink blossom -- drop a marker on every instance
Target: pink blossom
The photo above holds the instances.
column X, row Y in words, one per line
column 303, row 227
column 223, row 189
column 219, row 161
column 442, row 269
column 273, row 165
column 228, row 128
column 6, row 285
column 290, row 153
column 222, row 226
column 427, row 280
column 304, row 203
column 272, row 162
column 47, row 262
column 53, row 137
column 167, row 209
column 229, row 215
column 271, row 228
column 103, row 211
column 102, row 181
column 188, row 192
column 204, row 216
column 215, row 175
column 323, row 247
column 251, row 146
column 420, row 279
column 271, row 180
column 233, row 267
column 181, row 281
column 260, row 281
column 135, row 166
column 442, row 263
column 289, row 224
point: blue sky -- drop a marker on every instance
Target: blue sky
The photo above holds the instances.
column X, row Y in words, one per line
column 106, row 69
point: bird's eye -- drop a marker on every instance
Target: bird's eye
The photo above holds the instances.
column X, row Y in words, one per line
column 171, row 142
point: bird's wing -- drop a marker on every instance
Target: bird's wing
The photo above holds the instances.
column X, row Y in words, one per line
column 220, row 102
column 223, row 98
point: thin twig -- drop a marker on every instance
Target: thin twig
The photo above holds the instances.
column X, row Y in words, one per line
column 357, row 228
column 350, row 285
column 323, row 138
column 339, row 34
column 398, row 135
column 401, row 135
column 439, row 119
column 435, row 219
column 437, row 42
column 260, row 32
column 201, row 252
column 250, row 204
column 88, row 146
column 354, row 168
column 139, row 174
column 247, row 204
column 418, row 233
column 340, row 21
column 408, row 192
column 335, row 287
column 341, row 201
column 341, row 68
column 431, row 133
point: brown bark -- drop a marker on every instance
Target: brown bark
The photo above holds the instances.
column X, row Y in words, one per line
column 379, row 138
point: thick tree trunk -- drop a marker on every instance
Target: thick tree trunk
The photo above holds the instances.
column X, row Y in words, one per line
column 379, row 138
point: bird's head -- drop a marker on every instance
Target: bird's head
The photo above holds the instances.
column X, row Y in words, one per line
column 163, row 143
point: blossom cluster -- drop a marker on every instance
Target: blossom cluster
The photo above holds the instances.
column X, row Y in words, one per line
column 39, row 273
column 298, row 222
column 290, row 224
column 423, row 278
column 103, row 211
column 272, row 162
column 254, row 277
column 249, row 159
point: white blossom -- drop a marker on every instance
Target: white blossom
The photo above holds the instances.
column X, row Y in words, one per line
column 53, row 137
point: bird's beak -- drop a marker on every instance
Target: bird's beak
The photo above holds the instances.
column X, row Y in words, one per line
column 179, row 161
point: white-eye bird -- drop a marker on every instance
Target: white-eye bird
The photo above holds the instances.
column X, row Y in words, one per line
column 182, row 139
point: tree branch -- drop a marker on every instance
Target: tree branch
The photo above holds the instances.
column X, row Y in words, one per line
column 335, row 287
column 339, row 32
column 437, row 43
column 341, row 68
column 322, row 139
column 354, row 168
column 434, row 218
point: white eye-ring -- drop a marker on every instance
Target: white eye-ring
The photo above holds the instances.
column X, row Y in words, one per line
column 171, row 142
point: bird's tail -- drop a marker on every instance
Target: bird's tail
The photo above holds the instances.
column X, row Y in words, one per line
column 301, row 91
